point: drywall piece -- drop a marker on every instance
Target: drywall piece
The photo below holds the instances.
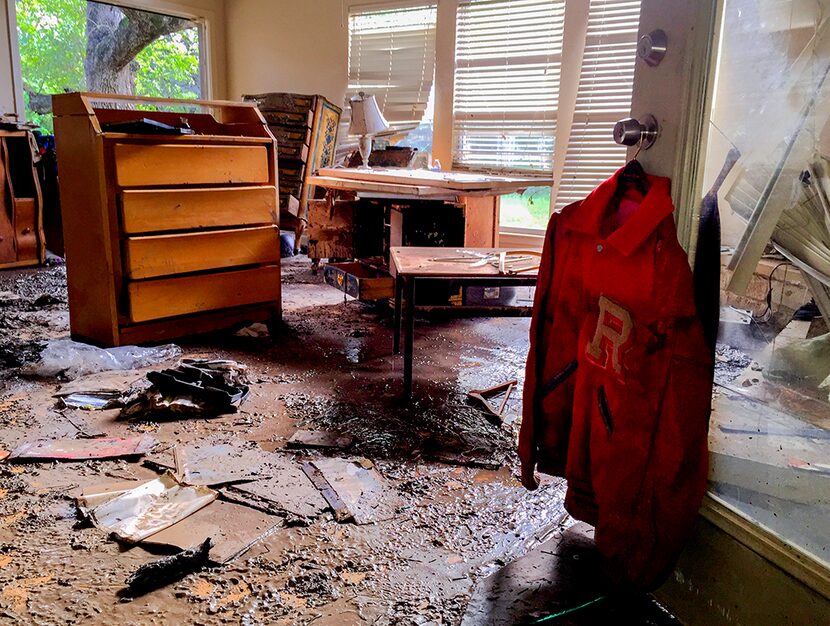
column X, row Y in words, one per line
column 217, row 463
column 320, row 439
column 286, row 491
column 233, row 529
column 353, row 491
column 142, row 511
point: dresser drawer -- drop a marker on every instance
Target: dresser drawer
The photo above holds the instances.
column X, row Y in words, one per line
column 138, row 165
column 169, row 297
column 156, row 210
column 167, row 255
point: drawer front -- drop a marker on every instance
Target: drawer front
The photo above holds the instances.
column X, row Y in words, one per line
column 155, row 210
column 138, row 165
column 166, row 255
column 169, row 297
column 359, row 281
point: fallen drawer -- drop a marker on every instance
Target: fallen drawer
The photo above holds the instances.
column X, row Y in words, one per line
column 360, row 280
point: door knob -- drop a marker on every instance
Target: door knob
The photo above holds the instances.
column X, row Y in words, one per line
column 631, row 132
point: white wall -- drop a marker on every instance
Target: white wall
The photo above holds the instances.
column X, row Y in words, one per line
column 298, row 46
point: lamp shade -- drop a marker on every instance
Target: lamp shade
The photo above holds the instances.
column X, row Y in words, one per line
column 366, row 116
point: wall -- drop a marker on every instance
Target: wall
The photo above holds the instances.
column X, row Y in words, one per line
column 292, row 45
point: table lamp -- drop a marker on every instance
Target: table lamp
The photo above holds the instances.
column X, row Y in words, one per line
column 366, row 121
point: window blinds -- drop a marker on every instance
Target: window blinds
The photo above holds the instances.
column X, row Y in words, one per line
column 392, row 56
column 508, row 56
column 603, row 97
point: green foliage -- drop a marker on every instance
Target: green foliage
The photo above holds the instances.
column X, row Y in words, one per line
column 169, row 67
column 52, row 37
column 530, row 209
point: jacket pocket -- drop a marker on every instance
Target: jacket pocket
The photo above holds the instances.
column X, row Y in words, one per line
column 558, row 379
column 605, row 410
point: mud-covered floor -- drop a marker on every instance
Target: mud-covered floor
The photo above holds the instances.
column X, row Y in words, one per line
column 460, row 513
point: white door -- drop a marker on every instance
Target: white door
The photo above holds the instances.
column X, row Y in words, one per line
column 677, row 92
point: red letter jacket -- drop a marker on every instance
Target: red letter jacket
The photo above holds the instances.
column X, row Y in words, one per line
column 618, row 384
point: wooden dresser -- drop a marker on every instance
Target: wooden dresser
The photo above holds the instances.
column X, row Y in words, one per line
column 21, row 222
column 166, row 234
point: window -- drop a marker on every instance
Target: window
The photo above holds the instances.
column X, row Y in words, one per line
column 770, row 432
column 512, row 113
column 603, row 97
column 392, row 56
column 508, row 58
column 71, row 45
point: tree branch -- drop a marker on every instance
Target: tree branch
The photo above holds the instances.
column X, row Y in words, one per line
column 116, row 35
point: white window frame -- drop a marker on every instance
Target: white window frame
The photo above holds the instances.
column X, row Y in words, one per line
column 573, row 47
column 361, row 6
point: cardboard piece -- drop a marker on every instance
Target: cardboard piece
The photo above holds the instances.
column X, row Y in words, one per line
column 83, row 449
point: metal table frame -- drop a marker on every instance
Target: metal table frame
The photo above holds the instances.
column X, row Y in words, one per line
column 405, row 290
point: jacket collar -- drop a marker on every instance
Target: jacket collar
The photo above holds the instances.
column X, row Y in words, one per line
column 654, row 208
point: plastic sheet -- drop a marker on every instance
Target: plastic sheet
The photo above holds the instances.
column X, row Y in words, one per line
column 73, row 359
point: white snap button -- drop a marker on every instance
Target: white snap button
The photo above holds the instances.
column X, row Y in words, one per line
column 599, row 247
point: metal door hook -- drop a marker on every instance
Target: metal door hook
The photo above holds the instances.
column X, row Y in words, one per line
column 631, row 132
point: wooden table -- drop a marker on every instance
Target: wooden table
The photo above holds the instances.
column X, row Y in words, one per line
column 409, row 264
column 477, row 196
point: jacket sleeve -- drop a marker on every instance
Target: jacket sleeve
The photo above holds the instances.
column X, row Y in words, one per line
column 527, row 443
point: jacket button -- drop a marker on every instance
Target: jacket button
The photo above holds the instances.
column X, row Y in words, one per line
column 599, row 247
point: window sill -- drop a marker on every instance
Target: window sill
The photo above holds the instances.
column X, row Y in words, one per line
column 524, row 238
column 798, row 564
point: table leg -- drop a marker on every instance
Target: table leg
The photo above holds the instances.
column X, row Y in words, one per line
column 409, row 335
column 396, row 348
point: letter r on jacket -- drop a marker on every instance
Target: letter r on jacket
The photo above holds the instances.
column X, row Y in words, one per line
column 613, row 329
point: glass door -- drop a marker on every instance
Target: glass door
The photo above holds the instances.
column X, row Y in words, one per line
column 768, row 171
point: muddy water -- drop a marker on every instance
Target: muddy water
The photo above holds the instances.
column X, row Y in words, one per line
column 330, row 367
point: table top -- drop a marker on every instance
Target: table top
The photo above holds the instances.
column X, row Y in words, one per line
column 420, row 182
column 452, row 262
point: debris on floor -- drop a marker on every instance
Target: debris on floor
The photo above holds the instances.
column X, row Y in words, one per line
column 91, row 400
column 287, row 491
column 195, row 388
column 256, row 331
column 352, row 491
column 83, row 449
column 484, row 396
column 71, row 359
column 730, row 363
column 233, row 529
column 211, row 463
column 320, row 439
column 149, row 507
column 156, row 574
column 278, row 556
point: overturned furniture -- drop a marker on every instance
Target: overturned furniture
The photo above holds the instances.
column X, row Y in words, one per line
column 367, row 212
column 169, row 214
